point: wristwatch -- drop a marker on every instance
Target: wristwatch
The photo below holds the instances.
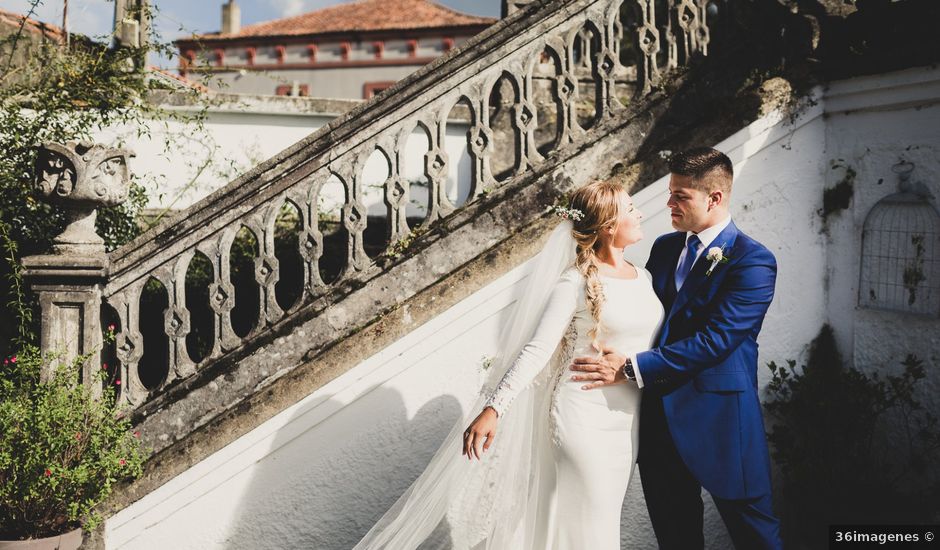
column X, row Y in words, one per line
column 627, row 369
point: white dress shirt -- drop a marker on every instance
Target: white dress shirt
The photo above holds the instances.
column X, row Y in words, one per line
column 707, row 237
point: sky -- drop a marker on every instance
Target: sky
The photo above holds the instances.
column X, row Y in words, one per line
column 177, row 18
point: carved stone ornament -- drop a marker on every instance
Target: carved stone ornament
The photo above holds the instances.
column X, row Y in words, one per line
column 81, row 177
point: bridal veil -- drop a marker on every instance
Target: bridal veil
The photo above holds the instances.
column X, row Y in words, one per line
column 494, row 503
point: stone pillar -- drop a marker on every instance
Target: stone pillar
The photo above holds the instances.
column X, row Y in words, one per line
column 132, row 27
column 80, row 177
column 69, row 290
column 231, row 18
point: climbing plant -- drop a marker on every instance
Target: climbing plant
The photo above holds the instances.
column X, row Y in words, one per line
column 53, row 91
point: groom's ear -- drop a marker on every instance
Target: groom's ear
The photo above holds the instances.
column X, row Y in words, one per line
column 716, row 198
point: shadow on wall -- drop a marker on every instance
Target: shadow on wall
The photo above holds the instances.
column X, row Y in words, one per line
column 325, row 487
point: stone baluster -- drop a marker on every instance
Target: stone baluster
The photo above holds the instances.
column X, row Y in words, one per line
column 646, row 38
column 176, row 321
column 480, row 146
column 129, row 345
column 669, row 32
column 267, row 266
column 221, row 290
column 354, row 214
column 80, row 177
column 311, row 242
column 435, row 169
column 606, row 65
column 688, row 18
column 566, row 88
column 396, row 192
column 525, row 119
column 702, row 35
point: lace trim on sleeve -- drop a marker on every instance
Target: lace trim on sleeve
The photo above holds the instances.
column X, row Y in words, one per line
column 555, row 321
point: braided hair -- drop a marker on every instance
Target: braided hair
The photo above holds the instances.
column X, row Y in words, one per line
column 599, row 204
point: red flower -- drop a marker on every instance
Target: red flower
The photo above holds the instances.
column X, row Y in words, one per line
column 104, row 366
column 136, row 433
column 48, row 472
column 6, row 361
column 78, row 436
column 122, row 462
column 111, row 328
column 13, row 359
column 117, row 382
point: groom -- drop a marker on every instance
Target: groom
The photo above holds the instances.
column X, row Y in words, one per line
column 700, row 422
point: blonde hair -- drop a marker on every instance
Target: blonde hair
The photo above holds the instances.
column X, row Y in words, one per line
column 599, row 203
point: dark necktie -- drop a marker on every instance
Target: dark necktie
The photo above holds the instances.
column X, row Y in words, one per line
column 691, row 249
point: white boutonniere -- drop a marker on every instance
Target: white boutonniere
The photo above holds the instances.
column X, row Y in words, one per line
column 716, row 256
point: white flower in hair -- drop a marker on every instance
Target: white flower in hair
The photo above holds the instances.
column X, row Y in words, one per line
column 567, row 213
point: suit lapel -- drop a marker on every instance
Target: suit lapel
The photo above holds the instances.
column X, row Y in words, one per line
column 663, row 269
column 697, row 276
column 664, row 276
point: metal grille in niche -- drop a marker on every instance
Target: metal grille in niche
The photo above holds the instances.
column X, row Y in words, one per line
column 900, row 265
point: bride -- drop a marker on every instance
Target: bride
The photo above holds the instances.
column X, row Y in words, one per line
column 560, row 453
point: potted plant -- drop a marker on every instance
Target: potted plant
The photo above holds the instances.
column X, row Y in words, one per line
column 61, row 451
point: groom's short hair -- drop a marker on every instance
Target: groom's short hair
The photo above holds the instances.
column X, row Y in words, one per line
column 710, row 169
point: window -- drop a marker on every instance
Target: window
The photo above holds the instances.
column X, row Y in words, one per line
column 372, row 89
column 303, row 90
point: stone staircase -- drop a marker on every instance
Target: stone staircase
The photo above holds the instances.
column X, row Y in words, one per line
column 556, row 94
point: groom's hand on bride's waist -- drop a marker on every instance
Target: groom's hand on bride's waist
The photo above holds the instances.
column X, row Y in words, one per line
column 597, row 372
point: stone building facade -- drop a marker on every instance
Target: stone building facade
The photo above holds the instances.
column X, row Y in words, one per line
column 349, row 51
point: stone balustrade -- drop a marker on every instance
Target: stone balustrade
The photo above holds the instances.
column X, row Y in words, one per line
column 536, row 82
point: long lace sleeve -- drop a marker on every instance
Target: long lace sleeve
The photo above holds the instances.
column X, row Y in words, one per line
column 537, row 352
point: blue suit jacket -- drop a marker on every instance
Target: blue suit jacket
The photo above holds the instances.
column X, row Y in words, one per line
column 705, row 362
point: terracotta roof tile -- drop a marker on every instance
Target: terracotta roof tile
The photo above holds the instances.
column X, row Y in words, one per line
column 361, row 16
column 13, row 19
column 179, row 80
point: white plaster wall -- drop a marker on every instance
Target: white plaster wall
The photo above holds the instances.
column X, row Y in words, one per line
column 873, row 123
column 179, row 165
column 319, row 474
column 344, row 82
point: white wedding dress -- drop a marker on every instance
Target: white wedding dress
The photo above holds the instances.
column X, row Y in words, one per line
column 594, row 432
column 556, row 474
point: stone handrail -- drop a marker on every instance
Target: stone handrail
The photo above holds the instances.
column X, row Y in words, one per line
column 570, row 47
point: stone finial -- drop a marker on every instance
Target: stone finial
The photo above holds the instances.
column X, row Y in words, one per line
column 81, row 177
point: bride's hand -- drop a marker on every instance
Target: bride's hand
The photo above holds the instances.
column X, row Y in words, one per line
column 482, row 427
